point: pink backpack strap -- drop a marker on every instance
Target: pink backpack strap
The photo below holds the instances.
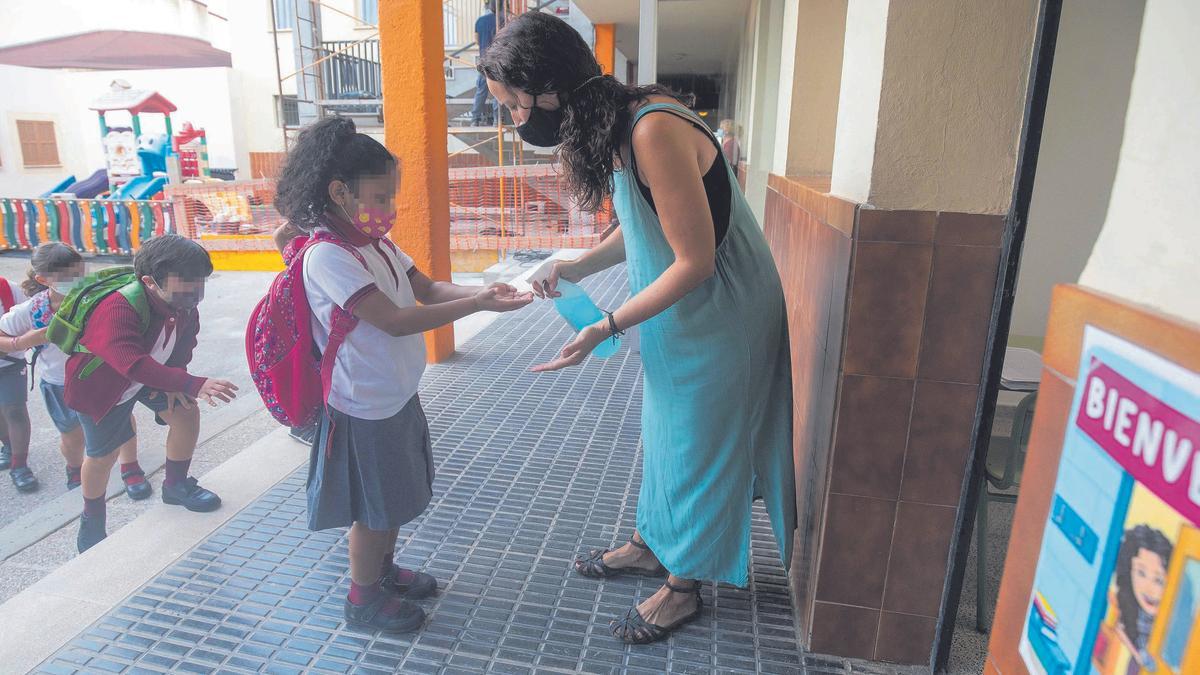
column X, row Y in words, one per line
column 340, row 325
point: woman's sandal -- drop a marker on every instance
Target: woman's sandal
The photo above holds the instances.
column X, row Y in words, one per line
column 593, row 565
column 635, row 630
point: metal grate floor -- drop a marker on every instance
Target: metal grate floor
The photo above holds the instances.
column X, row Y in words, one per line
column 531, row 471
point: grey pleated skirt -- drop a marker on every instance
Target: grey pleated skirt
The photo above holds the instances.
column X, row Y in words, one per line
column 376, row 472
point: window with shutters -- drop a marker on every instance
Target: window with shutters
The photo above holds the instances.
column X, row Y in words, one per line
column 38, row 145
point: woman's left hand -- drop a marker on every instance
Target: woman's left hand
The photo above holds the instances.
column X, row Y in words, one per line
column 576, row 350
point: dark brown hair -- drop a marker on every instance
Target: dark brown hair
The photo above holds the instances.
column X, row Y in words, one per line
column 49, row 258
column 539, row 53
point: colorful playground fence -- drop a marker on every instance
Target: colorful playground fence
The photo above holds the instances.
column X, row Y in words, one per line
column 101, row 226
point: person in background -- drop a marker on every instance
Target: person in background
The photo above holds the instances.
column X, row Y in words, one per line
column 730, row 147
column 54, row 270
column 14, row 416
column 485, row 32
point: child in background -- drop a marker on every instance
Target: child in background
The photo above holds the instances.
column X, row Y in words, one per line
column 147, row 365
column 14, row 416
column 54, row 270
column 371, row 464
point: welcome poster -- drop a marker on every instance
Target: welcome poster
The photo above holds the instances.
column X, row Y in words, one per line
column 1117, row 587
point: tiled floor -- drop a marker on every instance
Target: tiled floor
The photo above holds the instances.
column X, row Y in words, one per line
column 532, row 470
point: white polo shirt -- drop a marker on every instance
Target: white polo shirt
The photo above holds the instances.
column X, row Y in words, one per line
column 376, row 374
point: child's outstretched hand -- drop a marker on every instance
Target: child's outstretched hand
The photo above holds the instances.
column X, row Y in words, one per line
column 212, row 390
column 501, row 298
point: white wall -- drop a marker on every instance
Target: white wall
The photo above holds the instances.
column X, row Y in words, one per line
column 858, row 102
column 40, row 95
column 1081, row 141
column 760, row 135
column 1148, row 248
column 620, row 65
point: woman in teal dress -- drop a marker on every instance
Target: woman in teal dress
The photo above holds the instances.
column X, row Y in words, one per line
column 707, row 301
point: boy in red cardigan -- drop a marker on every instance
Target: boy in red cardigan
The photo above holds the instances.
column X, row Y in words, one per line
column 149, row 367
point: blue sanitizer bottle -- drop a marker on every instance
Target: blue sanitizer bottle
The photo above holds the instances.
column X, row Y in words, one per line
column 577, row 309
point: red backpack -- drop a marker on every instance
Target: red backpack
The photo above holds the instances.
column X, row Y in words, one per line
column 292, row 376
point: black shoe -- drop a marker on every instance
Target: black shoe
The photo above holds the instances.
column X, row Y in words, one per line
column 91, row 532
column 420, row 585
column 139, row 490
column 406, row 619
column 5, row 457
column 191, row 496
column 24, row 479
column 73, row 479
column 305, row 435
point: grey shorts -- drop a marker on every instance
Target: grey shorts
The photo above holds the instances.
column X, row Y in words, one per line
column 376, row 472
column 14, row 386
column 116, row 428
column 65, row 419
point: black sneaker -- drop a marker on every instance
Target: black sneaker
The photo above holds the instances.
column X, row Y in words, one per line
column 419, row 585
column 5, row 457
column 191, row 496
column 24, row 479
column 91, row 532
column 139, row 490
column 387, row 613
column 74, row 479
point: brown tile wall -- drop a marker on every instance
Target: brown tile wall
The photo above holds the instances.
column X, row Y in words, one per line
column 889, row 314
column 917, row 320
column 813, row 258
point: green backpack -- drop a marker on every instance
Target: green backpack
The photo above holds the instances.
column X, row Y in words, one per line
column 67, row 325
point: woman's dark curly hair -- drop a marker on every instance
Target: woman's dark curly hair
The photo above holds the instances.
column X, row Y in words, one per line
column 49, row 258
column 327, row 150
column 539, row 53
column 1136, row 539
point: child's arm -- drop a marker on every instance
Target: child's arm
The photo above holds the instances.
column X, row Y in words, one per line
column 118, row 339
column 378, row 310
column 430, row 292
column 20, row 343
column 284, row 234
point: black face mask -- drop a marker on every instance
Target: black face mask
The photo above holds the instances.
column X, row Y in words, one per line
column 543, row 128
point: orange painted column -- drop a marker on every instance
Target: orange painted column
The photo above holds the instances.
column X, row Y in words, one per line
column 414, row 123
column 606, row 46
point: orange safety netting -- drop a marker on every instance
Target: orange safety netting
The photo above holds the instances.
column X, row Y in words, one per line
column 518, row 207
column 499, row 208
column 227, row 215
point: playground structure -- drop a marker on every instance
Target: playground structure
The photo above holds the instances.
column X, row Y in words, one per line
column 116, row 208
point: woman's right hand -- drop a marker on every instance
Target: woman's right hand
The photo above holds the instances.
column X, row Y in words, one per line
column 563, row 269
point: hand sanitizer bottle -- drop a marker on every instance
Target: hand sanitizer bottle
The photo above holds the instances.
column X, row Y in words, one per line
column 577, row 309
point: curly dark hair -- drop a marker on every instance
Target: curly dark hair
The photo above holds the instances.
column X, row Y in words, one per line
column 539, row 53
column 1134, row 540
column 327, row 150
column 48, row 259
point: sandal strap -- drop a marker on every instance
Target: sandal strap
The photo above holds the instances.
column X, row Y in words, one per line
column 639, row 544
column 125, row 475
column 694, row 588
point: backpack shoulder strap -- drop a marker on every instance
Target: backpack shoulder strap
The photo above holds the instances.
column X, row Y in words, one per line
column 6, row 294
column 328, row 237
column 134, row 293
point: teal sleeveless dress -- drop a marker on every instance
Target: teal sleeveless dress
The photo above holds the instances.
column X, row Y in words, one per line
column 717, row 394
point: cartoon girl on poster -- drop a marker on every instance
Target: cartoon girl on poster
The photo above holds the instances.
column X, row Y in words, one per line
column 1141, row 579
